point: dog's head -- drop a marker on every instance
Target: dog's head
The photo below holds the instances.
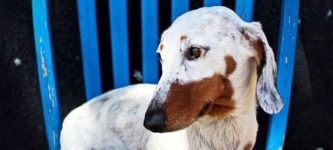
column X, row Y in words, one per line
column 206, row 58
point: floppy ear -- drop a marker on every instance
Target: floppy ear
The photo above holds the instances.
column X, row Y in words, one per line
column 267, row 95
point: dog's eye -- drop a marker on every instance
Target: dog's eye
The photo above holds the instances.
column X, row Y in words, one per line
column 194, row 53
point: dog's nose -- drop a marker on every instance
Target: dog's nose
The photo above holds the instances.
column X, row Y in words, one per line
column 154, row 120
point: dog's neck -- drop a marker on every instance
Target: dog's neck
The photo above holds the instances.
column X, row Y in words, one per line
column 234, row 131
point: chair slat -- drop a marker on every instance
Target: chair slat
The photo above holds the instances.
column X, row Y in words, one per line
column 46, row 72
column 178, row 7
column 89, row 46
column 208, row 3
column 119, row 41
column 244, row 8
column 286, row 59
column 149, row 16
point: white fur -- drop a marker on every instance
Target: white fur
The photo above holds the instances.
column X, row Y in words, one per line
column 115, row 120
column 99, row 125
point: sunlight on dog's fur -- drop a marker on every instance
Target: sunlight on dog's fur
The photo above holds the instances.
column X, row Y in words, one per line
column 214, row 67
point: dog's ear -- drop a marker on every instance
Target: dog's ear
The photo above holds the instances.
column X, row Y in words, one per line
column 267, row 95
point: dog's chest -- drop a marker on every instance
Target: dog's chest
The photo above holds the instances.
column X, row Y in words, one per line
column 219, row 135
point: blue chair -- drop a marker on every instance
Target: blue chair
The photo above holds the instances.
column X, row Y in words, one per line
column 120, row 54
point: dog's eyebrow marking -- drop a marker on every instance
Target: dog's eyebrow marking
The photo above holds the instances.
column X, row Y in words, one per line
column 230, row 64
column 206, row 48
column 183, row 37
column 248, row 146
column 161, row 46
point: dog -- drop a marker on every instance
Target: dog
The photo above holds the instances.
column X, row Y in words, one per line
column 215, row 67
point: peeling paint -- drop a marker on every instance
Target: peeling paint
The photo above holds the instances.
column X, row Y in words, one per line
column 44, row 69
column 286, row 60
column 40, row 40
column 51, row 94
column 49, row 91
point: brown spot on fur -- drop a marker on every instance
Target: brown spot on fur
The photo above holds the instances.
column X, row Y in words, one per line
column 161, row 47
column 248, row 146
column 223, row 105
column 186, row 102
column 183, row 37
column 258, row 46
column 230, row 64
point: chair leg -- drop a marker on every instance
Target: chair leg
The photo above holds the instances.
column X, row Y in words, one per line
column 46, row 72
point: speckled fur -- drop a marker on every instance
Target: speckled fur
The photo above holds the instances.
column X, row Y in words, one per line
column 114, row 120
column 110, row 121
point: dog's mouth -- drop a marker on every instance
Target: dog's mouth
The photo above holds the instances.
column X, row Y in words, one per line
column 213, row 109
column 204, row 109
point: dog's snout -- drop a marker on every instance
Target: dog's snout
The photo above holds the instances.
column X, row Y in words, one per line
column 155, row 120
